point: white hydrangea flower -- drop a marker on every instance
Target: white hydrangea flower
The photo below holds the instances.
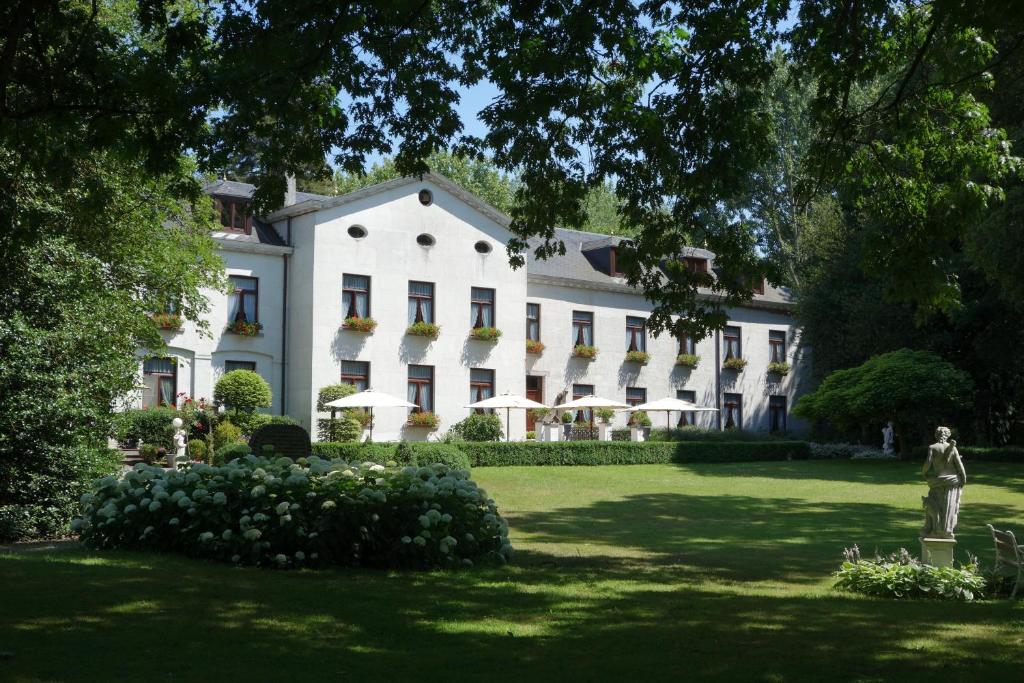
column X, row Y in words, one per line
column 258, row 491
column 328, row 505
column 154, row 506
column 424, row 521
column 281, row 559
column 220, row 498
column 236, row 558
column 128, row 509
column 205, row 536
column 299, row 555
column 174, row 521
column 281, row 508
column 226, row 535
column 252, row 534
column 419, row 540
column 406, row 539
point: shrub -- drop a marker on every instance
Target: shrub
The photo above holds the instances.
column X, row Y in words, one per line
column 533, row 346
column 417, row 453
column 344, row 428
column 567, row 417
column 621, row 434
column 776, row 368
column 641, row 357
column 150, row 452
column 902, row 576
column 691, row 433
column 628, row 452
column 584, row 351
column 688, row 360
column 485, row 333
column 352, row 451
column 539, row 413
column 360, row 324
column 844, row 451
column 146, row 425
column 245, row 329
column 242, row 390
column 424, row 419
column 530, row 435
column 424, row 329
column 486, row 427
column 226, row 434
column 229, row 452
column 736, row 364
column 197, row 450
column 1001, row 454
column 640, row 419
column 282, row 513
column 605, row 415
column 289, row 440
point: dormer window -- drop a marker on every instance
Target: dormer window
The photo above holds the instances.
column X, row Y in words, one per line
column 235, row 215
column 613, row 261
column 696, row 265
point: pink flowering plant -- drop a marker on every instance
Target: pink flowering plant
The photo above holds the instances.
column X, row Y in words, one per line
column 310, row 512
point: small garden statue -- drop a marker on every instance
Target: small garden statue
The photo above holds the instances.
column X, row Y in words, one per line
column 888, row 438
column 179, row 443
column 946, row 479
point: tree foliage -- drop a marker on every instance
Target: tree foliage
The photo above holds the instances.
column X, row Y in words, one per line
column 242, row 390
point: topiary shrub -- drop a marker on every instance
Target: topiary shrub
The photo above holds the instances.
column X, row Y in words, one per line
column 197, row 450
column 243, row 391
column 486, row 427
column 291, row 441
column 225, row 434
column 229, row 452
column 280, row 513
column 340, row 427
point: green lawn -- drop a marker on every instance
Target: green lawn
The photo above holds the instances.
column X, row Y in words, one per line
column 655, row 572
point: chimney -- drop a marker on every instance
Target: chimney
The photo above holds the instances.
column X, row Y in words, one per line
column 289, row 193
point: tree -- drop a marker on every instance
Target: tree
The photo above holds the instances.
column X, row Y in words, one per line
column 914, row 389
column 243, row 391
column 348, row 426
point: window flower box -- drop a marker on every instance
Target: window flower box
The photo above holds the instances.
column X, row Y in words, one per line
column 244, row 328
column 367, row 325
column 585, row 351
column 688, row 360
column 424, row 420
column 422, row 329
column 777, row 368
column 736, row 364
column 167, row 321
column 489, row 334
column 640, row 357
column 534, row 347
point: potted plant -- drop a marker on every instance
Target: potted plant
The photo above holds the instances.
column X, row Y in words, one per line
column 245, row 328
column 490, row 334
column 531, row 436
column 640, row 357
column 639, row 426
column 604, row 425
column 585, row 351
column 424, row 419
column 424, row 329
column 736, row 364
column 777, row 368
column 533, row 346
column 567, row 423
column 688, row 360
column 356, row 324
column 167, row 321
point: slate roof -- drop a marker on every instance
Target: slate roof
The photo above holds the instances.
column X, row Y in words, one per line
column 263, row 233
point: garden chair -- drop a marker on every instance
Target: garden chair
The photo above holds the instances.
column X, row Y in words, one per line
column 1009, row 557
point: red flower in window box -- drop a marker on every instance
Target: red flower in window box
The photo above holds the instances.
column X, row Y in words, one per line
column 167, row 321
column 423, row 329
column 245, row 328
column 359, row 324
column 533, row 346
column 424, row 419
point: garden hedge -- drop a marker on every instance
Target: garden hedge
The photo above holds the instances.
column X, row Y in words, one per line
column 489, row 454
column 982, row 454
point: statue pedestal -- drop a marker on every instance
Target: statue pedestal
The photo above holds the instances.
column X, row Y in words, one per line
column 938, row 552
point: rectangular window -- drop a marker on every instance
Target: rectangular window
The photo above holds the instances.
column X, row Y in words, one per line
column 481, row 385
column 356, row 373
column 579, row 391
column 421, row 302
column 231, row 365
column 686, row 417
column 776, row 346
column 687, row 344
column 732, row 411
column 613, row 262
column 243, row 302
column 482, row 307
column 731, row 337
column 533, row 322
column 355, row 296
column 421, row 388
column 235, row 216
column 636, row 334
column 758, row 285
column 160, row 382
column 696, row 265
column 777, row 413
column 582, row 328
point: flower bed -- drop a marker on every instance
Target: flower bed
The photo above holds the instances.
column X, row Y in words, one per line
column 245, row 329
column 424, row 419
column 167, row 321
column 535, row 347
column 902, row 576
column 641, row 357
column 584, row 351
column 430, row 330
column 736, row 364
column 778, row 368
column 359, row 324
column 688, row 360
column 491, row 334
column 310, row 512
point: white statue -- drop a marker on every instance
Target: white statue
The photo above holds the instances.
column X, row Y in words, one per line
column 179, row 443
column 888, row 438
column 946, row 479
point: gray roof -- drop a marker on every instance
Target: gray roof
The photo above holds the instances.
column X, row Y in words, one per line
column 263, row 233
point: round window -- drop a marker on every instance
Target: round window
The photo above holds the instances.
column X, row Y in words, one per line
column 357, row 231
column 426, row 197
column 425, row 240
column 482, row 247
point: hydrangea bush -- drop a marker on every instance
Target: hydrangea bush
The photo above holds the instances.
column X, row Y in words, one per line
column 310, row 512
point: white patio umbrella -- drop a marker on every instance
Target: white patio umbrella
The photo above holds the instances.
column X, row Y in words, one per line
column 508, row 401
column 592, row 402
column 370, row 399
column 669, row 404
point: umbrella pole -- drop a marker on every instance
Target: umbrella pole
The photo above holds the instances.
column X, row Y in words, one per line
column 371, row 423
column 508, row 413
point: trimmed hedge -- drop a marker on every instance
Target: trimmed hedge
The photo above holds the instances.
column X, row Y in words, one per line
column 982, row 454
column 353, row 451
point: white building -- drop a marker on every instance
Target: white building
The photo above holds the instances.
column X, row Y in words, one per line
column 424, row 248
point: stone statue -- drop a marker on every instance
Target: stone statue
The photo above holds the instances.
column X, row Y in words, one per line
column 888, row 438
column 179, row 443
column 946, row 479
